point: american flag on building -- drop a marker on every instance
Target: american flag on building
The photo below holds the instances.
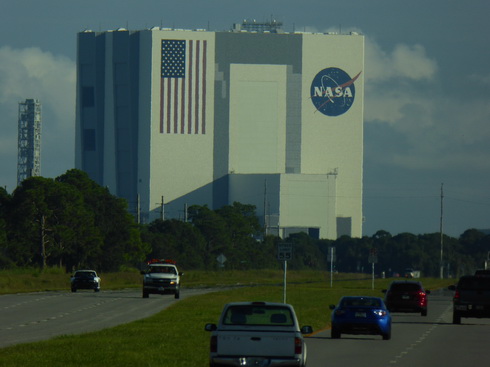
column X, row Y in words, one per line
column 183, row 87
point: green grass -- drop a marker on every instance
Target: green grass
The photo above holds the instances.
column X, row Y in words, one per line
column 55, row 279
column 176, row 336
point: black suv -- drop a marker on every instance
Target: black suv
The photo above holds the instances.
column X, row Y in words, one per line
column 471, row 297
column 406, row 296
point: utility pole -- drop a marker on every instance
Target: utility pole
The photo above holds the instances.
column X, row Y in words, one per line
column 138, row 210
column 43, row 241
column 265, row 207
column 162, row 209
column 162, row 213
column 442, row 236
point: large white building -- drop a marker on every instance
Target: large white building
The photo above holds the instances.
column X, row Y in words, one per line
column 261, row 117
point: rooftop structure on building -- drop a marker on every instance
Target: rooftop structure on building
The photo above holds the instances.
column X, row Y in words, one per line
column 272, row 26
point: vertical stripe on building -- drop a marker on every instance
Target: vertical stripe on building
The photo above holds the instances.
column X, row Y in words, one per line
column 183, row 87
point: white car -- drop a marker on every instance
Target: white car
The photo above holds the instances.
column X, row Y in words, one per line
column 257, row 334
column 85, row 279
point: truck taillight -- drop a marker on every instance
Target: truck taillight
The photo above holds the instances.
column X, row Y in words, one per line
column 456, row 295
column 298, row 346
column 213, row 346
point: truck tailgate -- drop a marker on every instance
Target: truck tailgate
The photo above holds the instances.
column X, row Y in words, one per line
column 481, row 297
column 243, row 343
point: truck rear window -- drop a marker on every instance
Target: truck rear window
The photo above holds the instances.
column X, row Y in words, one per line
column 259, row 315
column 405, row 287
column 475, row 283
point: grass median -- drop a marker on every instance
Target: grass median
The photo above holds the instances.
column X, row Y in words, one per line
column 175, row 337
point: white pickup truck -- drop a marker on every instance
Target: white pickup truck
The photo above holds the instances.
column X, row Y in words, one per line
column 257, row 334
column 161, row 277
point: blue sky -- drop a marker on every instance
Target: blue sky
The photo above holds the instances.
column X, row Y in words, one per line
column 427, row 110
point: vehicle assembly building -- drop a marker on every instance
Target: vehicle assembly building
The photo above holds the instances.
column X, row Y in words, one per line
column 253, row 115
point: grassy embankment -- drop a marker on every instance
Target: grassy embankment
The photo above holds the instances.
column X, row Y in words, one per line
column 175, row 337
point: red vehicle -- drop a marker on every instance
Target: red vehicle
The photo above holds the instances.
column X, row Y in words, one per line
column 406, row 296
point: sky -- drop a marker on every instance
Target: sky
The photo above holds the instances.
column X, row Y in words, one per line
column 427, row 91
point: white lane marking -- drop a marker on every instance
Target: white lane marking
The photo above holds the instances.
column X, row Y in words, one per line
column 59, row 316
column 422, row 338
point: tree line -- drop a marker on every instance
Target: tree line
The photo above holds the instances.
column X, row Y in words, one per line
column 72, row 222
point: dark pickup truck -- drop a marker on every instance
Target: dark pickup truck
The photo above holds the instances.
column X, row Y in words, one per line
column 471, row 297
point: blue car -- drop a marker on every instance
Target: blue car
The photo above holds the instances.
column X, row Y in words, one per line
column 361, row 316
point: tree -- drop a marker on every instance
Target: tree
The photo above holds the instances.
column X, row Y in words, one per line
column 47, row 221
column 241, row 221
column 212, row 226
column 306, row 253
column 70, row 221
column 122, row 243
column 180, row 241
column 5, row 199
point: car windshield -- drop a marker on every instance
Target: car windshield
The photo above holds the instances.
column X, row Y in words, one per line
column 162, row 269
column 405, row 287
column 360, row 301
column 261, row 315
column 84, row 274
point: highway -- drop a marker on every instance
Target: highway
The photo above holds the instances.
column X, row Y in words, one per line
column 39, row 316
column 416, row 341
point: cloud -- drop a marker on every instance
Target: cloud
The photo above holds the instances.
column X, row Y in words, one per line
column 407, row 62
column 394, row 81
column 411, row 102
column 480, row 79
column 33, row 73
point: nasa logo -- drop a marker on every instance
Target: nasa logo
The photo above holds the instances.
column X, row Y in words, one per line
column 333, row 91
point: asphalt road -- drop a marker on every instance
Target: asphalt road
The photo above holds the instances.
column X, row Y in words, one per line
column 416, row 341
column 39, row 316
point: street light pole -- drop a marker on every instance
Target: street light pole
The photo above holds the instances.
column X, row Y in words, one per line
column 442, row 236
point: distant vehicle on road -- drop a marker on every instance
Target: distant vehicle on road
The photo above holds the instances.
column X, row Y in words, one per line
column 360, row 315
column 406, row 296
column 85, row 279
column 257, row 334
column 410, row 273
column 161, row 277
column 483, row 272
column 471, row 297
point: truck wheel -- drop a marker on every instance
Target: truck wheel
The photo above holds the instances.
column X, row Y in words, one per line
column 456, row 318
column 424, row 312
column 145, row 294
column 73, row 290
column 177, row 295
